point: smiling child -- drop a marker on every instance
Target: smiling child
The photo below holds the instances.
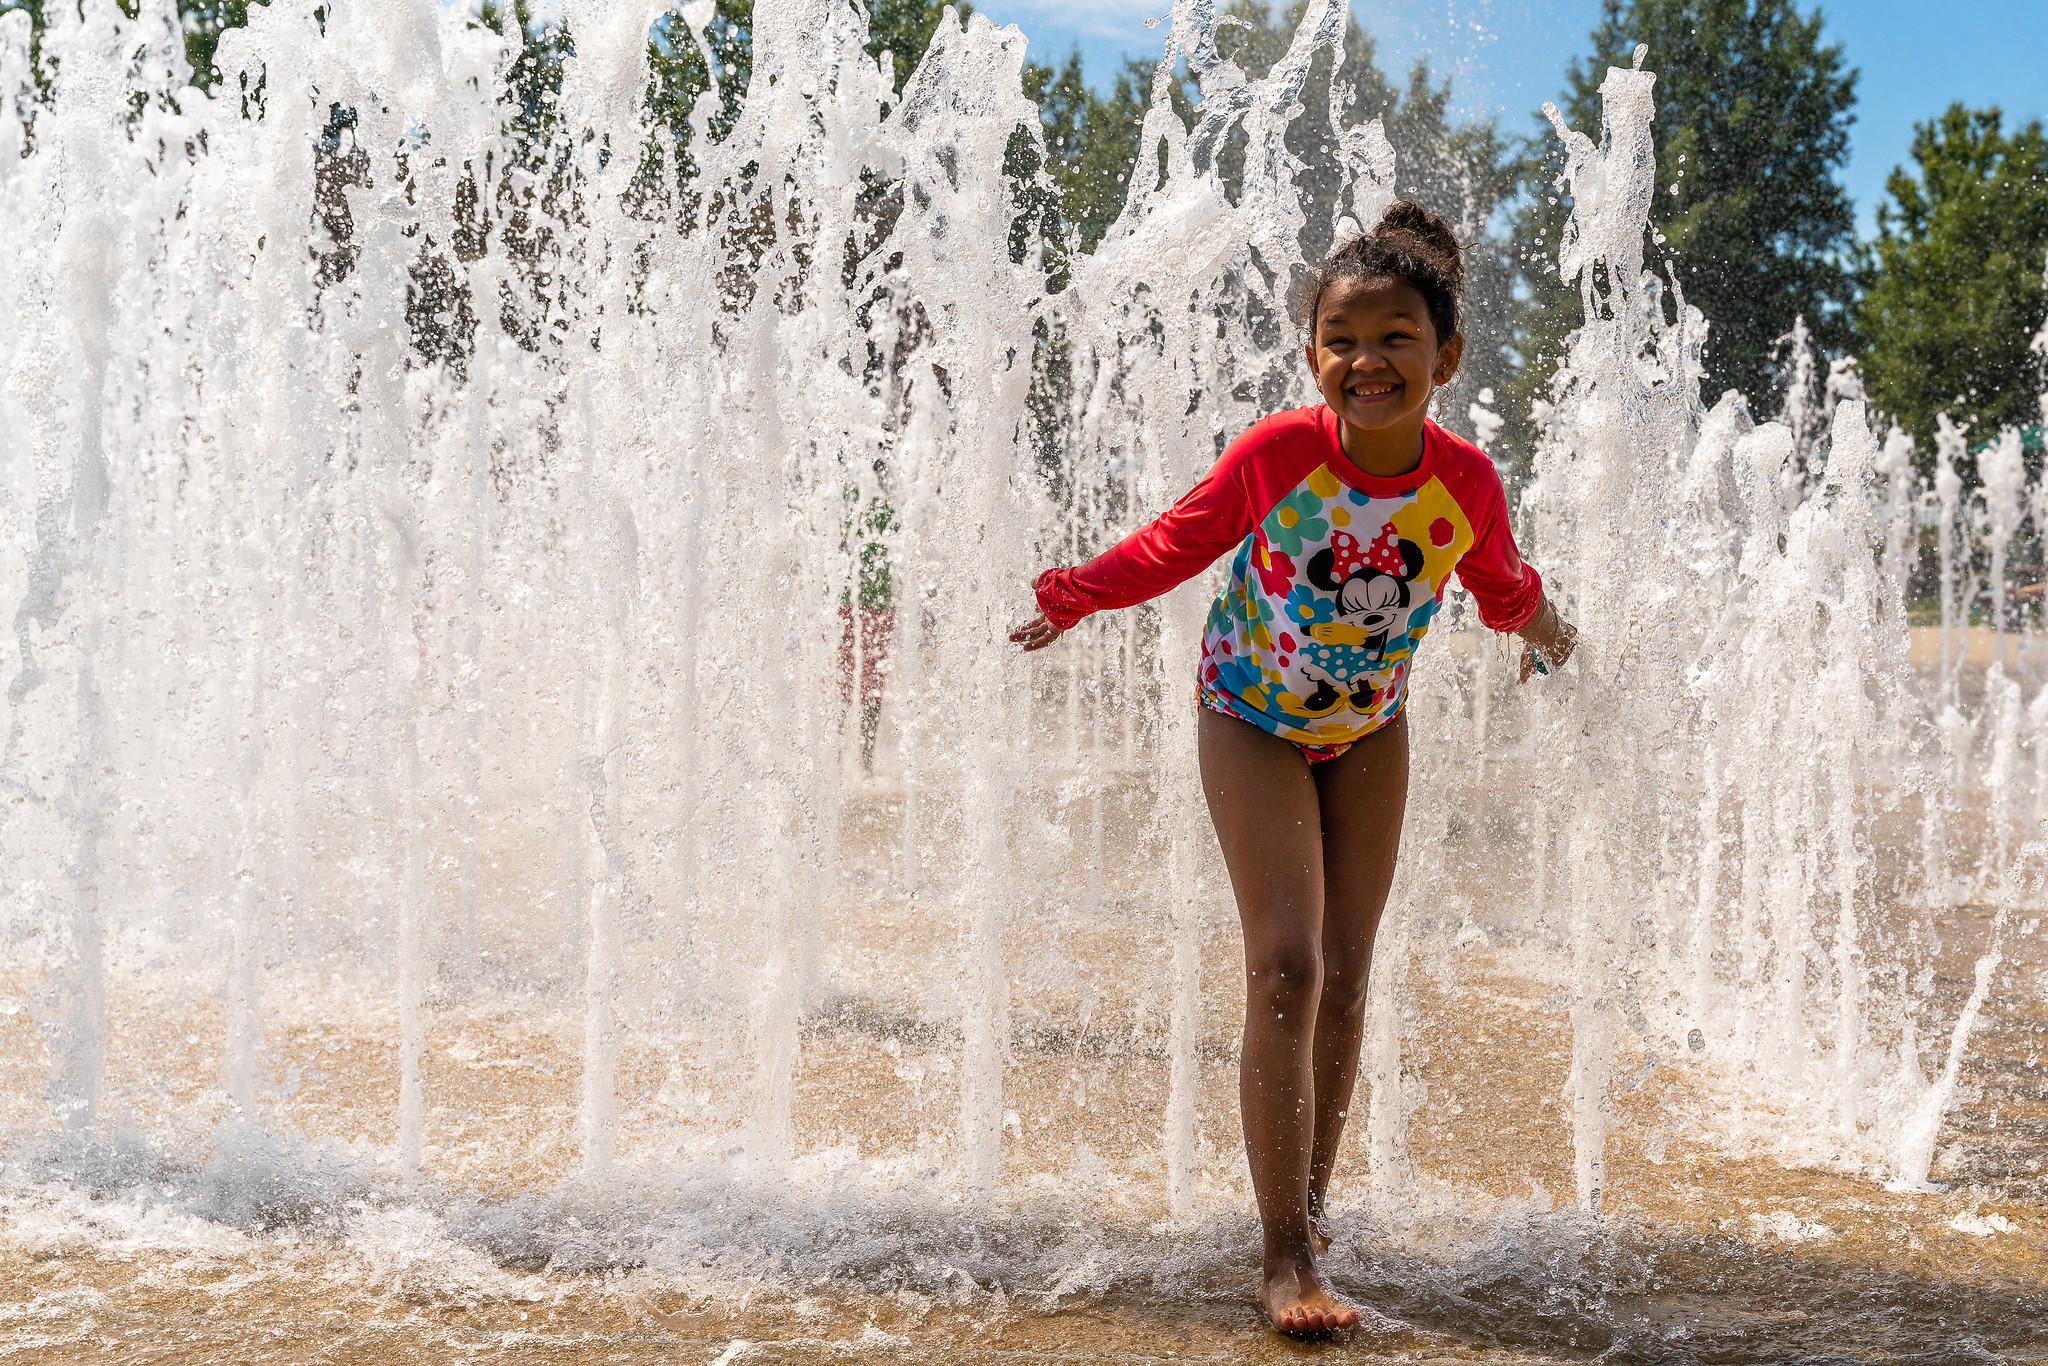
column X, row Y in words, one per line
column 1349, row 519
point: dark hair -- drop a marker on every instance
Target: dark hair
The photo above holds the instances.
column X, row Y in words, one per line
column 1410, row 243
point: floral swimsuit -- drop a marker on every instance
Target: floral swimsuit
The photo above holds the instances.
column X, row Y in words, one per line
column 1337, row 577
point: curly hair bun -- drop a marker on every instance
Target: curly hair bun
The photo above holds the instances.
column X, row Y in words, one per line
column 1410, row 243
column 1430, row 236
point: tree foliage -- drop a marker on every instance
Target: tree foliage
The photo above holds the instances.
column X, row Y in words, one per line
column 904, row 28
column 1091, row 140
column 1753, row 115
column 1955, row 278
column 205, row 21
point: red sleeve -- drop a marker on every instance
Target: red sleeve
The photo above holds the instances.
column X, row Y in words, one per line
column 1180, row 543
column 1507, row 591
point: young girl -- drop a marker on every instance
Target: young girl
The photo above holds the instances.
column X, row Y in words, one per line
column 1349, row 519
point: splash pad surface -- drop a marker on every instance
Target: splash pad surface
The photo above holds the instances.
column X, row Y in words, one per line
column 525, row 840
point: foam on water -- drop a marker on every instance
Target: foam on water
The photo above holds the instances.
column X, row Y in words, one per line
column 460, row 578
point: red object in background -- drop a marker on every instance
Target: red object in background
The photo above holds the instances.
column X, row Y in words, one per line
column 869, row 648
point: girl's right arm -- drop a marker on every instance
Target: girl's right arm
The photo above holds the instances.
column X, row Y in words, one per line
column 1180, row 543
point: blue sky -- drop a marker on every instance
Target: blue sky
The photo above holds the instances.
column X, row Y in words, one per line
column 1507, row 56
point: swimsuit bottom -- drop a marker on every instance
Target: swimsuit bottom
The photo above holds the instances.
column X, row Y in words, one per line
column 1223, row 704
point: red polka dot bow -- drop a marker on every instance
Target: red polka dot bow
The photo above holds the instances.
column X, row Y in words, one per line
column 1385, row 552
column 1347, row 556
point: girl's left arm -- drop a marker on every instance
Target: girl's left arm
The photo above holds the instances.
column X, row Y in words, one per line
column 1509, row 592
column 1547, row 641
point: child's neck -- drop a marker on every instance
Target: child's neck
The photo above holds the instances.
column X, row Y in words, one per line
column 1385, row 452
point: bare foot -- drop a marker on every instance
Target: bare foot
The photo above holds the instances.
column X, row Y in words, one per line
column 1294, row 1299
column 1316, row 1237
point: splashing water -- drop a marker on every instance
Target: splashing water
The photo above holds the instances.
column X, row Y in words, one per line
column 508, row 719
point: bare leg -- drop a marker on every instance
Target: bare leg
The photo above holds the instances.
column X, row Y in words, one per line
column 1362, row 795
column 1267, row 813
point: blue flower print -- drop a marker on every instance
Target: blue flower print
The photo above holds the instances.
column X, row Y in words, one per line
column 1306, row 607
column 1295, row 521
column 1233, row 676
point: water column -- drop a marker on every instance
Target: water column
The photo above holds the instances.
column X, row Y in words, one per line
column 959, row 110
column 460, row 497
column 1706, row 505
column 406, row 698
column 1631, row 421
column 395, row 88
column 2036, row 617
column 1172, row 459
column 469, row 491
column 604, row 430
column 1948, row 491
column 19, row 558
column 2004, row 709
column 244, row 427
column 783, row 423
column 1760, row 463
column 60, row 368
column 1866, row 613
column 2003, row 468
column 247, row 693
column 1901, row 531
column 613, row 571
column 1958, row 590
column 1790, row 878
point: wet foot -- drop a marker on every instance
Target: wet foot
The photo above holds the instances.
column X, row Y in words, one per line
column 1294, row 1299
column 1316, row 1237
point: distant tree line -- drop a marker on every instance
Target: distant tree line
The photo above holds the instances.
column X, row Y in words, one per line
column 1938, row 311
column 1753, row 120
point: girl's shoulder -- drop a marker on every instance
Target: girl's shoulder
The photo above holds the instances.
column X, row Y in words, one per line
column 1456, row 449
column 1279, row 450
column 1305, row 431
column 1464, row 468
column 1306, row 419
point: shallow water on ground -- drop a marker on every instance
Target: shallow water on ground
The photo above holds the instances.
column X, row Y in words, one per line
column 237, row 1244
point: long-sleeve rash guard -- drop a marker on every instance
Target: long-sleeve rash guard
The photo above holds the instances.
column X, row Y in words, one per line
column 1337, row 576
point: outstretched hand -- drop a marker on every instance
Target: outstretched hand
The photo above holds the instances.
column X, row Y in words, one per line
column 1036, row 634
column 1547, row 642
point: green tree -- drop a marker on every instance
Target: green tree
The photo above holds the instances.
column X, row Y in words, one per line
column 1955, row 291
column 677, row 75
column 1091, row 140
column 1753, row 115
column 205, row 21
column 904, row 28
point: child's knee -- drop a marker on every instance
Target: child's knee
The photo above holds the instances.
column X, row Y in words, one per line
column 1287, row 976
column 1344, row 984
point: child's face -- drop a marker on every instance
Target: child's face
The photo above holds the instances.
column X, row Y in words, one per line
column 1376, row 355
